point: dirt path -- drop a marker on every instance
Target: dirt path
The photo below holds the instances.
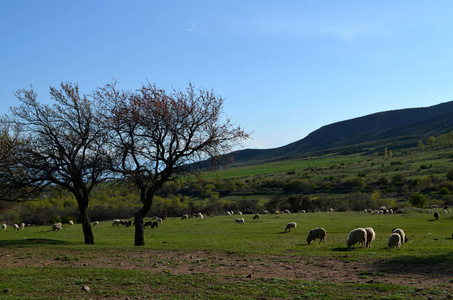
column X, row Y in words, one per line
column 265, row 267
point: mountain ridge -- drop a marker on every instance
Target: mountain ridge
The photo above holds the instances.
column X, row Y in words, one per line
column 395, row 128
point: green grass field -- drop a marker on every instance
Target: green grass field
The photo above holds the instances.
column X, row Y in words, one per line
column 42, row 264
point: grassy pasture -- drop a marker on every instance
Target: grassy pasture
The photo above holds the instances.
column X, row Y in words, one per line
column 42, row 264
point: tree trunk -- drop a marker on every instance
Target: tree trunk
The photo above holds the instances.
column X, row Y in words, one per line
column 86, row 225
column 139, row 229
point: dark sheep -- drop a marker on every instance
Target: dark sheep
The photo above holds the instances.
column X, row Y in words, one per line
column 436, row 215
column 155, row 225
column 149, row 223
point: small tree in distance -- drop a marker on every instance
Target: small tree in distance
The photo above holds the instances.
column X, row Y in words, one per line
column 155, row 136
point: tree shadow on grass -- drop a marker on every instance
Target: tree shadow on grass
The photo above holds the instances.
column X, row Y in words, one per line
column 31, row 242
column 428, row 264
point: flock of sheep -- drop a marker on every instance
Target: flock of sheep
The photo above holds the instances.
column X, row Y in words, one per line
column 363, row 236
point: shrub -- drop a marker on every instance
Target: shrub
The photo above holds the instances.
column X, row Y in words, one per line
column 418, row 200
column 273, row 183
column 357, row 182
column 296, row 186
column 450, row 174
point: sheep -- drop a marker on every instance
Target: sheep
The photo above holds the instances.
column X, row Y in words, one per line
column 357, row 235
column 402, row 235
column 4, row 226
column 317, row 233
column 228, row 213
column 394, row 240
column 22, row 225
column 370, row 236
column 155, row 225
column 16, row 227
column 436, row 216
column 184, row 217
column 200, row 215
column 240, row 221
column 70, row 222
column 117, row 222
column 286, row 211
column 256, row 217
column 290, row 225
column 57, row 227
column 149, row 223
column 96, row 223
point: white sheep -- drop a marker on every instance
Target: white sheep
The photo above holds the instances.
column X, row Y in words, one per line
column 96, row 223
column 159, row 220
column 370, row 236
column 402, row 235
column 290, row 225
column 16, row 227
column 200, row 215
column 117, row 222
column 357, row 235
column 4, row 226
column 57, row 227
column 286, row 211
column 21, row 225
column 70, row 222
column 394, row 240
column 240, row 221
column 228, row 213
column 184, row 217
column 317, row 233
column 256, row 217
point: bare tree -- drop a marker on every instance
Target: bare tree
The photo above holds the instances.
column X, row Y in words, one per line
column 156, row 136
column 56, row 145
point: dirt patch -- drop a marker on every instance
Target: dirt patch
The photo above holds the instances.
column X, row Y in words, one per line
column 336, row 270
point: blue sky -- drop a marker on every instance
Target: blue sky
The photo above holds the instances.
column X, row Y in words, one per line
column 285, row 68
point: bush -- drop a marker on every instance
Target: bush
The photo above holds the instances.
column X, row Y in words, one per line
column 418, row 200
column 450, row 174
column 296, row 186
column 273, row 183
column 357, row 182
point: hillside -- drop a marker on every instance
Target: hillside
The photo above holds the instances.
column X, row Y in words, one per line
column 395, row 129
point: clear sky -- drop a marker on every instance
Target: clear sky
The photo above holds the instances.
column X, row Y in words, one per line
column 285, row 68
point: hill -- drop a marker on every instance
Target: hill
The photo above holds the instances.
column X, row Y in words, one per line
column 396, row 129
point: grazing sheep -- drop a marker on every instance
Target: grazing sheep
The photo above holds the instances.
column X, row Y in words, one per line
column 155, row 225
column 436, row 216
column 394, row 240
column 256, row 217
column 317, row 233
column 370, row 236
column 57, row 227
column 4, row 226
column 184, row 217
column 16, row 227
column 357, row 235
column 290, row 225
column 70, row 222
column 240, row 221
column 96, row 223
column 22, row 225
column 402, row 235
column 200, row 215
column 286, row 211
column 149, row 223
column 117, row 222
column 228, row 213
